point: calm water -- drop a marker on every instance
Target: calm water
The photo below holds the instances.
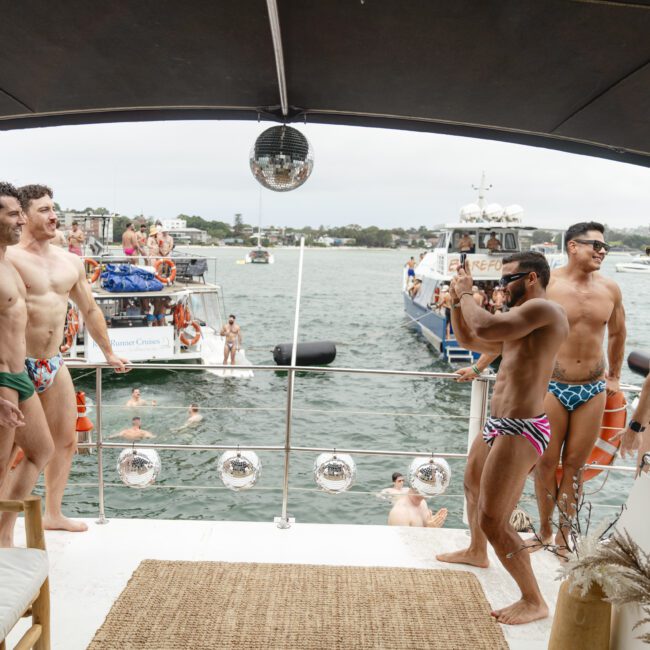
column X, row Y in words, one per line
column 351, row 297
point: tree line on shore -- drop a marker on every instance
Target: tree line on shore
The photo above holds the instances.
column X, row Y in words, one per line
column 352, row 234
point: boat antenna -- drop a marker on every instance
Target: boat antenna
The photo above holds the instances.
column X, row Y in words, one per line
column 482, row 189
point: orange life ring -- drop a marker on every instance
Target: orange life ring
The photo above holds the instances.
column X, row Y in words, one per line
column 182, row 316
column 197, row 336
column 169, row 264
column 96, row 269
column 71, row 329
column 436, row 294
column 605, row 450
column 83, row 421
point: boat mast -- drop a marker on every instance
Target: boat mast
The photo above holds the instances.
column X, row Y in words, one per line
column 482, row 189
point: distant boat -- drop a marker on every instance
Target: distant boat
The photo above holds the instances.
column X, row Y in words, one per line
column 259, row 255
column 640, row 264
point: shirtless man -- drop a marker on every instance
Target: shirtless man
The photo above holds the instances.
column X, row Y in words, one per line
column 76, row 239
column 17, row 397
column 411, row 510
column 141, row 238
column 517, row 431
column 134, row 432
column 51, row 277
column 576, row 397
column 493, row 244
column 165, row 243
column 397, row 489
column 136, row 399
column 194, row 417
column 59, row 237
column 465, row 244
column 232, row 332
column 130, row 243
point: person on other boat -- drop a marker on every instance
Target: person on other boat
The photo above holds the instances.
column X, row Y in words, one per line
column 466, row 244
column 497, row 301
column 493, row 244
column 21, row 415
column 141, row 238
column 136, row 399
column 398, row 488
column 636, row 435
column 410, row 270
column 130, row 243
column 165, row 243
column 59, row 238
column 76, row 238
column 578, row 389
column 411, row 510
column 414, row 289
column 160, row 306
column 517, row 431
column 445, row 306
column 233, row 335
column 153, row 249
column 52, row 277
column 134, row 432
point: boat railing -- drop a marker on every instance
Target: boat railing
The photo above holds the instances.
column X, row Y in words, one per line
column 476, row 419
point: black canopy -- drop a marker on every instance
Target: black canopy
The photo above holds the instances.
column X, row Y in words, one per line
column 564, row 74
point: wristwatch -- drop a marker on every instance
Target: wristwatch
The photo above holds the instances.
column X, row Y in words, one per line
column 636, row 426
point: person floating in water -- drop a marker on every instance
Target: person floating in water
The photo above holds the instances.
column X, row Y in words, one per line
column 136, row 399
column 411, row 510
column 134, row 432
column 397, row 489
column 233, row 335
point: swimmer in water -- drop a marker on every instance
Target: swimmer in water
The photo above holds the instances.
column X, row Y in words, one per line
column 134, row 432
column 136, row 399
column 411, row 509
column 396, row 490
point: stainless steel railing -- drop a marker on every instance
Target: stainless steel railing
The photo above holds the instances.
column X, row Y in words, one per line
column 476, row 418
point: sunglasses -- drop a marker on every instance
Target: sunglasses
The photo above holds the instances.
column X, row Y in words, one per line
column 505, row 280
column 596, row 243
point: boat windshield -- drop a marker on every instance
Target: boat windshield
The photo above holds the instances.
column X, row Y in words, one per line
column 205, row 308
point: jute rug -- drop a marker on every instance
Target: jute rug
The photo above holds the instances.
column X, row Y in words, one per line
column 207, row 605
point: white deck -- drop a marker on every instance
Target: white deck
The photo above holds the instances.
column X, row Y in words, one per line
column 89, row 570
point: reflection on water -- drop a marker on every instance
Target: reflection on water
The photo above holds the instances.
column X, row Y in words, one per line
column 353, row 298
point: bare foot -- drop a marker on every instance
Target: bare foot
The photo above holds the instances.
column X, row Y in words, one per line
column 523, row 611
column 63, row 523
column 562, row 549
column 536, row 543
column 466, row 556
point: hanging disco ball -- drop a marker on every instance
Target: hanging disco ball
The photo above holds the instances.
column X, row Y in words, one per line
column 281, row 159
column 334, row 473
column 239, row 470
column 429, row 476
column 138, row 468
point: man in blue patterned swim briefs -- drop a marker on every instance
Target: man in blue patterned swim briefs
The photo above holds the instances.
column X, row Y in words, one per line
column 52, row 276
column 579, row 386
column 517, row 432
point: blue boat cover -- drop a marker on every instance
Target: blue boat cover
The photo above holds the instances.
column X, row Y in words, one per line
column 123, row 278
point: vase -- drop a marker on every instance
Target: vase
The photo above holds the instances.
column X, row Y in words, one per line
column 580, row 622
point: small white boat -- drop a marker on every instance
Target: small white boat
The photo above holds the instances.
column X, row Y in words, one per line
column 259, row 255
column 640, row 264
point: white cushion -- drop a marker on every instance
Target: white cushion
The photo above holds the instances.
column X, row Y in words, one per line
column 22, row 572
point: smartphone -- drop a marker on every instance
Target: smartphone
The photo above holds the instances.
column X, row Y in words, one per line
column 461, row 264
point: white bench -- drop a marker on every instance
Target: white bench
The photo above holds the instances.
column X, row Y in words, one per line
column 24, row 585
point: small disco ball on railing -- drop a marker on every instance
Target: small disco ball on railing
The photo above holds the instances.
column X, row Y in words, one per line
column 334, row 473
column 239, row 470
column 281, row 158
column 429, row 476
column 138, row 468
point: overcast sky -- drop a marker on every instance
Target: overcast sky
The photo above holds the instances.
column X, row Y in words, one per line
column 361, row 175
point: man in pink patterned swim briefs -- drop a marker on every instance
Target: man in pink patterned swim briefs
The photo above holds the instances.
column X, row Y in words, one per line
column 528, row 338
